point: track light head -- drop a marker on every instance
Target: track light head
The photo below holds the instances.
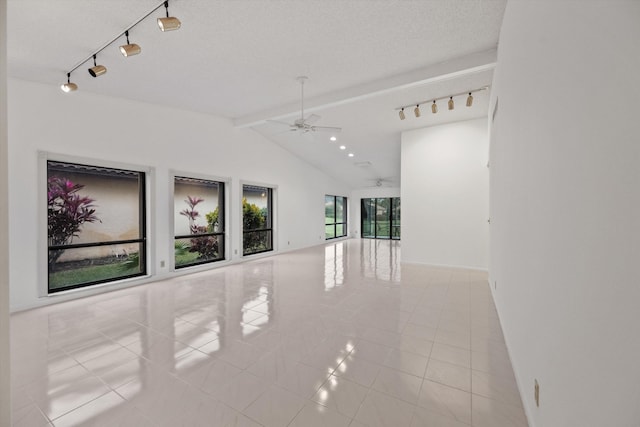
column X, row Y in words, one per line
column 97, row 70
column 129, row 49
column 416, row 110
column 469, row 100
column 434, row 107
column 450, row 103
column 401, row 114
column 68, row 86
column 169, row 23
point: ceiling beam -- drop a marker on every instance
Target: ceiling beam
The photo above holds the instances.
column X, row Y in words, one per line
column 452, row 69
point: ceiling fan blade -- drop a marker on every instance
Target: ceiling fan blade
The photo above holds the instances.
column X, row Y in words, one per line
column 277, row 122
column 282, row 132
column 325, row 129
column 312, row 119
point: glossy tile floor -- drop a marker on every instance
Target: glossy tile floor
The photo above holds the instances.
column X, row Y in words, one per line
column 336, row 335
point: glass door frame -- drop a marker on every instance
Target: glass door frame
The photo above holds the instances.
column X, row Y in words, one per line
column 393, row 222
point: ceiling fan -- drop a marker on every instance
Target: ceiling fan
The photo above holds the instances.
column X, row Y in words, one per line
column 305, row 125
column 380, row 182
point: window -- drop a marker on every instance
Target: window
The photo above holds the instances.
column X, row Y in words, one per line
column 395, row 218
column 198, row 221
column 96, row 227
column 257, row 221
column 380, row 218
column 335, row 216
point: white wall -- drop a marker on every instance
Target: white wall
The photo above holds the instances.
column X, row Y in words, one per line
column 355, row 213
column 5, row 378
column 82, row 124
column 565, row 208
column 445, row 195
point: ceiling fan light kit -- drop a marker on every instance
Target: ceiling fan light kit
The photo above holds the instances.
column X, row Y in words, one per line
column 169, row 23
column 434, row 105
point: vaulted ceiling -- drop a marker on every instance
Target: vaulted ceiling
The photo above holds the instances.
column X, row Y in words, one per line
column 239, row 60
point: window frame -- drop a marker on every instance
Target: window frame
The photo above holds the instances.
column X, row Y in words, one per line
column 223, row 184
column 390, row 217
column 335, row 222
column 145, row 200
column 270, row 229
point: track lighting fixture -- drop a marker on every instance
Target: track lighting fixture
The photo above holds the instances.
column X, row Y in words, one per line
column 68, row 86
column 169, row 23
column 166, row 24
column 434, row 105
column 97, row 70
column 129, row 49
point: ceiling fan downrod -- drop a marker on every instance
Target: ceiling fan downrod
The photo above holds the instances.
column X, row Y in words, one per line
column 302, row 79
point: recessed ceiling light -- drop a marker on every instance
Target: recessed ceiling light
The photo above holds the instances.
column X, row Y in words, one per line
column 342, row 147
column 333, row 138
column 350, row 154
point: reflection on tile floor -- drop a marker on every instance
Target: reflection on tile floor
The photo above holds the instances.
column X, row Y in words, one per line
column 335, row 335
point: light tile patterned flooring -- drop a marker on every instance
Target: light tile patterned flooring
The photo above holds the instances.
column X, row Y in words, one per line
column 335, row 335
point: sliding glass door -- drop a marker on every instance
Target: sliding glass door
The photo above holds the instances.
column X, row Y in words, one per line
column 368, row 210
column 380, row 218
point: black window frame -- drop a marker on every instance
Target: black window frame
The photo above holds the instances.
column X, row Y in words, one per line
column 142, row 226
column 335, row 222
column 220, row 235
column 394, row 230
column 268, row 229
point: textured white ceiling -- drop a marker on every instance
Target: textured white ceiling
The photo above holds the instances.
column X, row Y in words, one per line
column 239, row 59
